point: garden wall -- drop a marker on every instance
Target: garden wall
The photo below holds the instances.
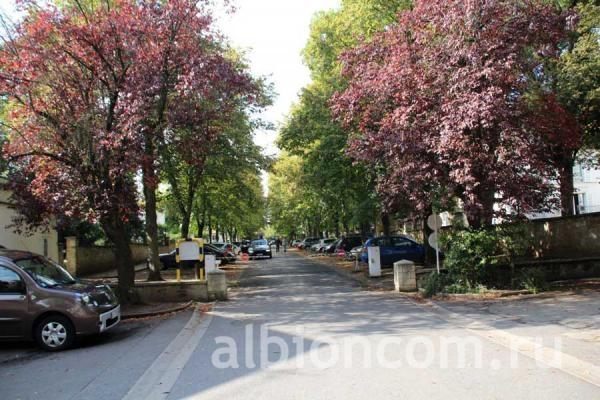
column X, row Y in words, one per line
column 566, row 237
column 89, row 260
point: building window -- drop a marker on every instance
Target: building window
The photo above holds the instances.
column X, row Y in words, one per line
column 580, row 203
column 578, row 173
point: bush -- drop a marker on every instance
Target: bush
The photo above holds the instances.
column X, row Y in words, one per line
column 472, row 254
column 533, row 280
column 434, row 284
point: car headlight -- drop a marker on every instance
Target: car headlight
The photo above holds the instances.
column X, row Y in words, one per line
column 250, row 250
column 87, row 300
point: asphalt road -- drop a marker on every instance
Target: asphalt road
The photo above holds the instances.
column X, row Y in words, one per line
column 322, row 338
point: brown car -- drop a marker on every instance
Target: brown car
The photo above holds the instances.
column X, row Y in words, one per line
column 40, row 300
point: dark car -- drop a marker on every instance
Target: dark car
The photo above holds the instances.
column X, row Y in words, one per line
column 348, row 243
column 260, row 248
column 244, row 246
column 395, row 248
column 169, row 261
column 40, row 300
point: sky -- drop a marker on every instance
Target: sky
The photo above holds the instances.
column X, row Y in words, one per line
column 273, row 34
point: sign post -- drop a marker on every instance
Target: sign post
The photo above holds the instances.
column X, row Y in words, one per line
column 434, row 222
column 191, row 250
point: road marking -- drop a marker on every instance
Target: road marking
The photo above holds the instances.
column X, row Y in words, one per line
column 158, row 380
column 556, row 359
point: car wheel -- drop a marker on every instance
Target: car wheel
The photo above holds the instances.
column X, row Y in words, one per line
column 270, row 255
column 55, row 333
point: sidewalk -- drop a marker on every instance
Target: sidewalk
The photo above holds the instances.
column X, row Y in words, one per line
column 572, row 318
column 568, row 319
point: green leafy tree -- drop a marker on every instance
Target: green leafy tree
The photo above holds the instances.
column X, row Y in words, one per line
column 340, row 192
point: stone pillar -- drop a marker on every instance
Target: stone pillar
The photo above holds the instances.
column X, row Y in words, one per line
column 217, row 285
column 405, row 277
column 72, row 255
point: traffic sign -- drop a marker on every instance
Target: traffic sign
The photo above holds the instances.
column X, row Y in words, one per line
column 434, row 222
column 433, row 242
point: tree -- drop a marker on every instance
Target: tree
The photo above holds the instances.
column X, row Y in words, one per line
column 341, row 190
column 441, row 102
column 227, row 195
column 226, row 122
column 575, row 84
column 89, row 89
column 71, row 141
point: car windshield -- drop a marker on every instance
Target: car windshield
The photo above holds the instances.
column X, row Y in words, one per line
column 45, row 272
column 259, row 243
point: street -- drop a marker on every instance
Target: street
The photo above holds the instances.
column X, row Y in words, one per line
column 322, row 338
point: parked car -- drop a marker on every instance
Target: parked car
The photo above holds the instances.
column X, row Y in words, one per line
column 244, row 246
column 169, row 261
column 40, row 300
column 307, row 242
column 222, row 254
column 394, row 248
column 318, row 247
column 347, row 243
column 331, row 247
column 237, row 250
column 260, row 248
column 353, row 253
column 229, row 247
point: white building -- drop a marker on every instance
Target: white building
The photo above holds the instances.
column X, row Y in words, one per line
column 587, row 189
column 44, row 243
column 586, row 198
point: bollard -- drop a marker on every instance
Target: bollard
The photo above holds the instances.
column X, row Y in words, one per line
column 405, row 277
column 178, row 275
column 202, row 274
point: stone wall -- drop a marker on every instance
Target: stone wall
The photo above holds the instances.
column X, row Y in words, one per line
column 88, row 260
column 157, row 292
column 566, row 238
column 211, row 289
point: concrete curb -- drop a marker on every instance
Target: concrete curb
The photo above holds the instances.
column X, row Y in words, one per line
column 134, row 315
column 158, row 380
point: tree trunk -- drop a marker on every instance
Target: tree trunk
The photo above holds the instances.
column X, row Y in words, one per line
column 185, row 225
column 210, row 229
column 346, row 227
column 150, row 182
column 567, row 186
column 484, row 215
column 116, row 231
column 200, row 223
column 385, row 222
